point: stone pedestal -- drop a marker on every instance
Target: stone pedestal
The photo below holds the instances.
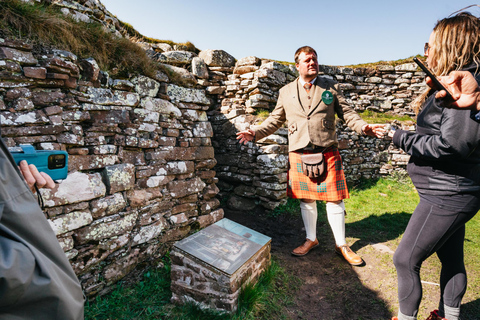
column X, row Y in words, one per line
column 210, row 267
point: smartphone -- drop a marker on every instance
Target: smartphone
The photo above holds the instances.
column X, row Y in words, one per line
column 52, row 162
column 438, row 85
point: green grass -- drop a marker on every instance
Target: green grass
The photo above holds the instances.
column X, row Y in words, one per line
column 150, row 299
column 45, row 25
column 382, row 62
column 379, row 210
column 292, row 207
column 381, row 117
column 262, row 113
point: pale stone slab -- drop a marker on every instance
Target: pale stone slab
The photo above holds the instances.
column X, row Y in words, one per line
column 210, row 267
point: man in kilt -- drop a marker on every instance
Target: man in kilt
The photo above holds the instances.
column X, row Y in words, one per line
column 309, row 105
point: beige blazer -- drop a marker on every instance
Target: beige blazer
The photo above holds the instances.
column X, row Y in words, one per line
column 306, row 125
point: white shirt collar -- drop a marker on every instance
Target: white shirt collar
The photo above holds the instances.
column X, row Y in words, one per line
column 303, row 82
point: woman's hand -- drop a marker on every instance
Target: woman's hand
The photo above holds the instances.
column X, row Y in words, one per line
column 33, row 177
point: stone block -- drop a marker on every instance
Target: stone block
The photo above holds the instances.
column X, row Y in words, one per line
column 208, row 219
column 107, row 227
column 182, row 188
column 146, row 233
column 90, row 69
column 22, row 57
column 35, row 72
column 161, row 106
column 112, row 97
column 119, row 177
column 71, row 221
column 210, row 267
column 180, row 74
column 77, row 187
column 107, row 206
column 199, row 68
column 177, row 93
column 138, row 198
column 145, row 86
column 217, row 58
column 90, row 162
column 176, row 57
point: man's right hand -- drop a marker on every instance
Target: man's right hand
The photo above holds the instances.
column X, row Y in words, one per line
column 246, row 136
column 463, row 87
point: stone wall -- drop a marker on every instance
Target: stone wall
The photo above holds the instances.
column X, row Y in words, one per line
column 140, row 158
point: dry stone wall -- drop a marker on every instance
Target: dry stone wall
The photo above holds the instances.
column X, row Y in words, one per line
column 140, row 158
column 146, row 155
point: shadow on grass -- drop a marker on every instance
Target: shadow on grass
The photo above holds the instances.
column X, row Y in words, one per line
column 471, row 310
column 375, row 229
column 362, row 184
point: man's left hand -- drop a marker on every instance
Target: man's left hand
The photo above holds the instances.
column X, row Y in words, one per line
column 374, row 130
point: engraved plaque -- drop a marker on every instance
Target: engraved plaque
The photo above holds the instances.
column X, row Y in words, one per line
column 225, row 245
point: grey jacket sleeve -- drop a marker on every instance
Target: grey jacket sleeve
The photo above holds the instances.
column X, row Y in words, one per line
column 36, row 278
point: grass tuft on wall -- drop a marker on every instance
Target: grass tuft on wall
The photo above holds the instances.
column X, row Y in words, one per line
column 45, row 25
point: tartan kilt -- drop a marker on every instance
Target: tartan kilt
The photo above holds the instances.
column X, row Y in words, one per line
column 329, row 187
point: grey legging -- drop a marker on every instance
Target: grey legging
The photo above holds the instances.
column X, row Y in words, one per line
column 437, row 225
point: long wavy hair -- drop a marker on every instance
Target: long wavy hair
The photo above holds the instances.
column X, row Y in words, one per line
column 456, row 45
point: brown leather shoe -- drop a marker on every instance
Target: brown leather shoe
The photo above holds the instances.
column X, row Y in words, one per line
column 349, row 255
column 305, row 248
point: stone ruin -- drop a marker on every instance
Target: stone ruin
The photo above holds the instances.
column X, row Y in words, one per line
column 149, row 159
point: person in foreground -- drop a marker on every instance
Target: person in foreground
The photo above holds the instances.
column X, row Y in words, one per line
column 464, row 89
column 309, row 104
column 36, row 279
column 444, row 162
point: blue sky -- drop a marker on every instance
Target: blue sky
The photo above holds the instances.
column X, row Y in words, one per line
column 342, row 32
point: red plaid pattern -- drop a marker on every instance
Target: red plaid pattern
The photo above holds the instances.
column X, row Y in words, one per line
column 331, row 187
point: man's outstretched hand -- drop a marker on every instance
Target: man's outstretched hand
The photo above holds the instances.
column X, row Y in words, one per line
column 245, row 136
column 374, row 130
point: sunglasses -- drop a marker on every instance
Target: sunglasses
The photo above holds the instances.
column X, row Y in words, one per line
column 426, row 48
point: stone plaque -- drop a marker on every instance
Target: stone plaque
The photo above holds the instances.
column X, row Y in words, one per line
column 210, row 267
column 225, row 245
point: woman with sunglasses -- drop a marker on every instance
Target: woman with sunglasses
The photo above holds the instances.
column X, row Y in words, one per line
column 445, row 169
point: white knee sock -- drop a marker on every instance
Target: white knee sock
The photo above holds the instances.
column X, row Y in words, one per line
column 401, row 316
column 450, row 313
column 336, row 219
column 309, row 216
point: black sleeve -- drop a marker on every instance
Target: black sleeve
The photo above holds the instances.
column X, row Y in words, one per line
column 458, row 138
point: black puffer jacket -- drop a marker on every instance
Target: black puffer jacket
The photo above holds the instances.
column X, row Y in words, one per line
column 445, row 151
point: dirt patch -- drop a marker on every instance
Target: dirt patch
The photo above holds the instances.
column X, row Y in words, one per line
column 331, row 288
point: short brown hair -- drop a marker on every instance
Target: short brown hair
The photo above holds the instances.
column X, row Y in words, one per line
column 305, row 49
